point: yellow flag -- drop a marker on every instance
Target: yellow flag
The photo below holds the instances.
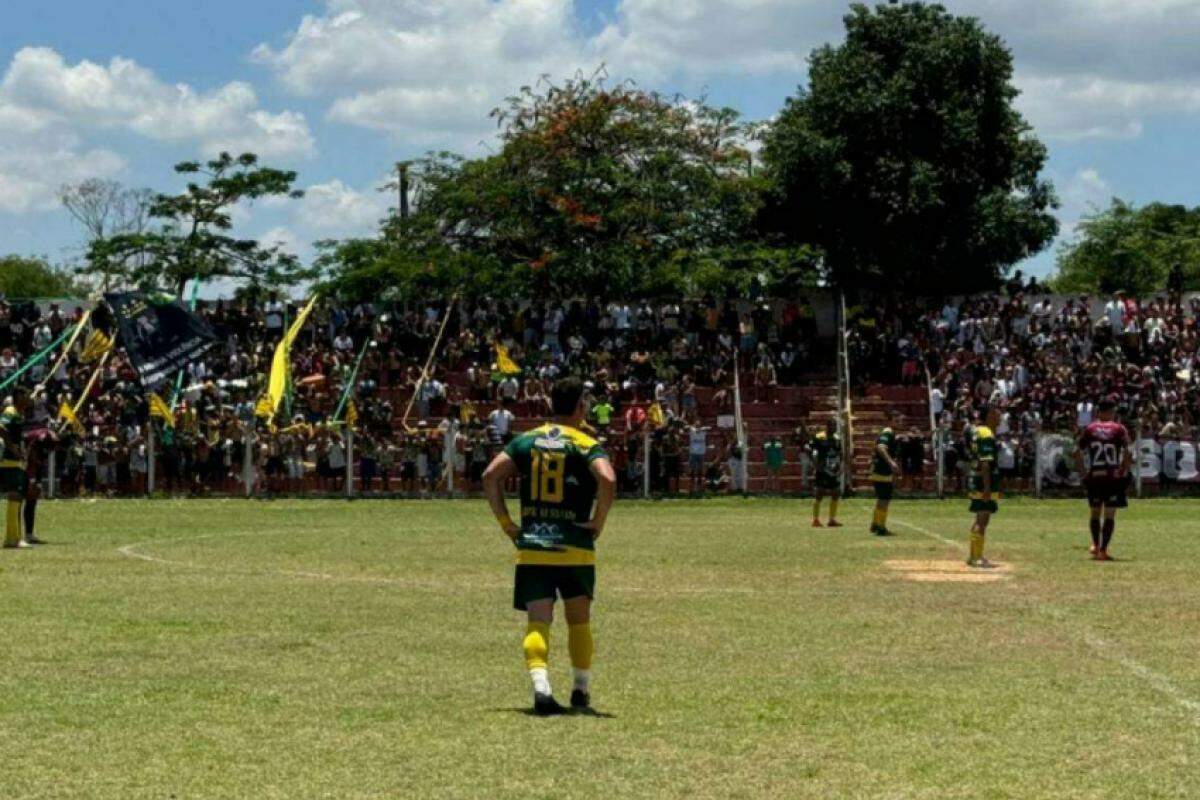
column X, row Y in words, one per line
column 655, row 414
column 97, row 345
column 160, row 409
column 504, row 361
column 67, row 414
column 269, row 403
column 351, row 414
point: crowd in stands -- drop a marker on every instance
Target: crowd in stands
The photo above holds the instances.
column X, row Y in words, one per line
column 1045, row 361
column 637, row 358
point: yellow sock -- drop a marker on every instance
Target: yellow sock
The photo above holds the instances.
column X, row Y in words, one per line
column 12, row 524
column 881, row 517
column 976, row 546
column 579, row 642
column 816, row 507
column 833, row 501
column 537, row 645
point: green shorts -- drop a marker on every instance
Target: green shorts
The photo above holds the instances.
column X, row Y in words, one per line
column 883, row 490
column 535, row 582
column 12, row 480
column 981, row 506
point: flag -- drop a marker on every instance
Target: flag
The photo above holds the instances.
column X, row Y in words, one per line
column 67, row 414
column 351, row 414
column 96, row 346
column 504, row 362
column 655, row 415
column 268, row 404
column 160, row 335
column 160, row 409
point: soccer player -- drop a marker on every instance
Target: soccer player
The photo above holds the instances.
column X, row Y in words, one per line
column 1103, row 459
column 826, row 449
column 981, row 445
column 12, row 466
column 567, row 488
column 883, row 474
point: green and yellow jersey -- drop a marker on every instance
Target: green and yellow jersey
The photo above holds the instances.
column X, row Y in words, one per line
column 12, row 434
column 881, row 468
column 557, row 494
column 827, row 454
column 982, row 450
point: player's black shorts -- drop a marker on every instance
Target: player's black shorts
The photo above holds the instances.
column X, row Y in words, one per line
column 979, row 506
column 1108, row 492
column 828, row 482
column 12, row 478
column 536, row 582
column 883, row 490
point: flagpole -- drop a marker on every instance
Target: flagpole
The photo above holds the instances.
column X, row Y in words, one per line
column 428, row 363
column 87, row 315
column 351, row 382
column 87, row 390
column 33, row 361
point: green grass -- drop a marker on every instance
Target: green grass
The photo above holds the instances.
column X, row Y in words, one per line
column 325, row 649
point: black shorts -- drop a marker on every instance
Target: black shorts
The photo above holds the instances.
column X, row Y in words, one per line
column 1108, row 492
column 12, row 479
column 883, row 490
column 829, row 483
column 979, row 506
column 275, row 465
column 535, row 582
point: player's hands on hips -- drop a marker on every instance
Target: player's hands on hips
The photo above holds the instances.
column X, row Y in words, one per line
column 511, row 529
column 595, row 526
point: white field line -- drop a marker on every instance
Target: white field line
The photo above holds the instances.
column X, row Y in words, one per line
column 133, row 551
column 1155, row 680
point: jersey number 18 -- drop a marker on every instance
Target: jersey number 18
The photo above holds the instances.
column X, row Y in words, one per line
column 546, row 478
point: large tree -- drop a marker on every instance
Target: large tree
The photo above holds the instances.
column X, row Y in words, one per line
column 1138, row 250
column 106, row 208
column 595, row 188
column 904, row 158
column 34, row 277
column 193, row 237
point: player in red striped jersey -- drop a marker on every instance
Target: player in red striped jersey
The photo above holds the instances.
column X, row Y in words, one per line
column 1103, row 459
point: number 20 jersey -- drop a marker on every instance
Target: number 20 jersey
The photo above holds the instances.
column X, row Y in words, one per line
column 558, row 492
column 1103, row 445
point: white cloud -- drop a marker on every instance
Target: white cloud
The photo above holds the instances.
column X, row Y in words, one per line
column 1082, row 193
column 34, row 166
column 429, row 70
column 125, row 96
column 335, row 209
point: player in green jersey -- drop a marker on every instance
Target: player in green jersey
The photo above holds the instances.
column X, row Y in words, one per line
column 826, row 449
column 12, row 466
column 883, row 474
column 982, row 448
column 567, row 488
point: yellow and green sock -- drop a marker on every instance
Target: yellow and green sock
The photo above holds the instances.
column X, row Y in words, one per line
column 12, row 524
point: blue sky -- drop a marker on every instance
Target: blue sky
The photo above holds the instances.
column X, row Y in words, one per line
column 340, row 89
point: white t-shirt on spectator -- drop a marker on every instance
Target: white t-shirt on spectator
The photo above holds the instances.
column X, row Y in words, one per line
column 937, row 401
column 1084, row 411
column 501, row 420
column 274, row 312
column 1115, row 311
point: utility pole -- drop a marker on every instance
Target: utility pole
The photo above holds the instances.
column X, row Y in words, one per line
column 402, row 173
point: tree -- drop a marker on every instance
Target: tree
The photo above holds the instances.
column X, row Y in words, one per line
column 905, row 160
column 106, row 208
column 33, row 277
column 595, row 188
column 1131, row 249
column 193, row 238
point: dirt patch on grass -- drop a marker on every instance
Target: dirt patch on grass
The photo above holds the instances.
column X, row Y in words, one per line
column 947, row 572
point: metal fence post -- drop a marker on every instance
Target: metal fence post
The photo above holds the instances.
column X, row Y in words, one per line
column 349, row 463
column 940, row 436
column 646, row 462
column 249, row 440
column 51, row 474
column 150, row 459
column 1137, row 460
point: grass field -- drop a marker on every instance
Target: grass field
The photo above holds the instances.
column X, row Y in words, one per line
column 231, row 649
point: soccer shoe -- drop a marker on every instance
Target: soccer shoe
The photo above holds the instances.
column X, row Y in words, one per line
column 833, row 523
column 979, row 563
column 1102, row 555
column 19, row 545
column 544, row 705
column 816, row 523
column 580, row 700
column 882, row 531
column 34, row 540
column 1092, row 549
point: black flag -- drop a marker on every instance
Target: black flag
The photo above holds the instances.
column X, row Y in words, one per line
column 160, row 335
